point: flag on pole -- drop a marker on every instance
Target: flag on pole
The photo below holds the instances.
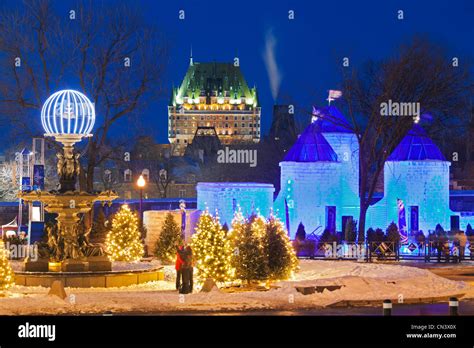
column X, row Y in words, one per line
column 333, row 95
column 402, row 222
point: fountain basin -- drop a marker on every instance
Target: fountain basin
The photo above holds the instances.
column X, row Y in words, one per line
column 97, row 279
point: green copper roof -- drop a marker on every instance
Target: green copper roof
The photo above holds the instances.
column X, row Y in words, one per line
column 214, row 79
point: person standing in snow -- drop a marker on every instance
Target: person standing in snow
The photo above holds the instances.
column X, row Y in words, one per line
column 179, row 267
column 462, row 245
column 187, row 270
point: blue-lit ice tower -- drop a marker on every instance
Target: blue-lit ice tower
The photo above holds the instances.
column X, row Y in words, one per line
column 320, row 175
column 418, row 174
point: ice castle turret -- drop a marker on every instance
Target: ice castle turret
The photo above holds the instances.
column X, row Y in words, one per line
column 418, row 174
column 337, row 131
column 310, row 177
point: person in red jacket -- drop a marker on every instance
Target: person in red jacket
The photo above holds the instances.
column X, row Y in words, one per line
column 179, row 266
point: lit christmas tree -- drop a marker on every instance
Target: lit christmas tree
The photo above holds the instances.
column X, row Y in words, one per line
column 282, row 260
column 170, row 237
column 212, row 250
column 248, row 243
column 6, row 273
column 123, row 242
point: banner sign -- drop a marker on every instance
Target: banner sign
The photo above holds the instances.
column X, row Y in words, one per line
column 38, row 177
column 402, row 222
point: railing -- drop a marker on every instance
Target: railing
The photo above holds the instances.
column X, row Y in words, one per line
column 382, row 251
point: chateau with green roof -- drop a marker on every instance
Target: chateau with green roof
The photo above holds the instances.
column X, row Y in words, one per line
column 213, row 95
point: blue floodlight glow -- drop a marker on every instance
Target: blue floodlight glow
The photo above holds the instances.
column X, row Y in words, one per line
column 68, row 112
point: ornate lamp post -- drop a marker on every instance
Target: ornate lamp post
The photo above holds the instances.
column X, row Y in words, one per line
column 182, row 207
column 141, row 184
column 68, row 116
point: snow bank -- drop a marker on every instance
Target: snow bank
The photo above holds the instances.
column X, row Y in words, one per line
column 359, row 281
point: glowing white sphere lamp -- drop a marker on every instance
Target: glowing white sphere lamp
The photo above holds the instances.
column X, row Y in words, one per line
column 68, row 116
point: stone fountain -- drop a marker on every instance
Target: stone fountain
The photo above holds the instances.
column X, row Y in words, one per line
column 68, row 116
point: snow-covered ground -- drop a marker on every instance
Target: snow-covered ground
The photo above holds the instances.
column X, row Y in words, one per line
column 360, row 281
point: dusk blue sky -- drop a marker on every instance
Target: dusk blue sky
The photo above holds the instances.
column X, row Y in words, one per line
column 309, row 49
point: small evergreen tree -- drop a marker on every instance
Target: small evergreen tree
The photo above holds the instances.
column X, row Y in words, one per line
column 439, row 229
column 124, row 242
column 371, row 235
column 249, row 257
column 350, row 231
column 379, row 235
column 6, row 273
column 169, row 239
column 282, row 260
column 327, row 237
column 300, row 232
column 392, row 233
column 212, row 250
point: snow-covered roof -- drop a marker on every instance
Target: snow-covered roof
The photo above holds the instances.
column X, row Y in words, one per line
column 331, row 120
column 311, row 146
column 416, row 146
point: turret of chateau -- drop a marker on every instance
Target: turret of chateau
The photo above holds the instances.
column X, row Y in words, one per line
column 214, row 95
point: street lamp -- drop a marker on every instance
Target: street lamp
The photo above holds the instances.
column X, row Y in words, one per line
column 141, row 184
column 68, row 116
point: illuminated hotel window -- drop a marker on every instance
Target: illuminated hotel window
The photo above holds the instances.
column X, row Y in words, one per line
column 146, row 174
column 127, row 175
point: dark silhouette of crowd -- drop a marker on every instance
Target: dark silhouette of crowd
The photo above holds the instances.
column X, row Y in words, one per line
column 449, row 247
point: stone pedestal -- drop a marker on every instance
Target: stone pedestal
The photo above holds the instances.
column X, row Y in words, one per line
column 40, row 265
column 99, row 263
column 74, row 266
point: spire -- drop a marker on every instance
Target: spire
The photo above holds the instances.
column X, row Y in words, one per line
column 191, row 63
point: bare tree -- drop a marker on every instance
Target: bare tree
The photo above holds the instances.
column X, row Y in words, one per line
column 8, row 181
column 420, row 73
column 107, row 51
